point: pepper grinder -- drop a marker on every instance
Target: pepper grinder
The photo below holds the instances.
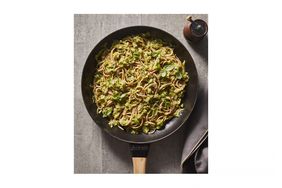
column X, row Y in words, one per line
column 195, row 30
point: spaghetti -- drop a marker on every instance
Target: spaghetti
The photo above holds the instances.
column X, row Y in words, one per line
column 139, row 84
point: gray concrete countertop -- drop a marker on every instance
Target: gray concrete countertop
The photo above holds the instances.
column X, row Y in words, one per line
column 94, row 150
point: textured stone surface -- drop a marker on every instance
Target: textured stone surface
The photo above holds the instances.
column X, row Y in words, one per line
column 94, row 150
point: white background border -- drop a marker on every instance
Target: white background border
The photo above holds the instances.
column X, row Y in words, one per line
column 36, row 100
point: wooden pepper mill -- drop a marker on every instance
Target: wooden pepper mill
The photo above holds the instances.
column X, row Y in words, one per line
column 195, row 30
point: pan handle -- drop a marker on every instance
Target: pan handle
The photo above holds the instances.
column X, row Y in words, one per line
column 139, row 154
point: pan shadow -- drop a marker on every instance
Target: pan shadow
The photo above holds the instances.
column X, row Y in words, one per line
column 201, row 48
column 199, row 109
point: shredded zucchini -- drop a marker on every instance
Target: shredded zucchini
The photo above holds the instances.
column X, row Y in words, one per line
column 139, row 84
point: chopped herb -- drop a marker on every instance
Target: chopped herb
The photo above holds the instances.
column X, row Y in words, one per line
column 107, row 111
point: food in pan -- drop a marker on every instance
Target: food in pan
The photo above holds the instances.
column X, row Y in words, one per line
column 139, row 84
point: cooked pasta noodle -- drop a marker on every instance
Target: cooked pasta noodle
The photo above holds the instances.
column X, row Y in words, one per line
column 139, row 84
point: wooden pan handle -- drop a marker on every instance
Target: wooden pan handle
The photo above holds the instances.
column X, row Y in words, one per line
column 139, row 165
column 139, row 154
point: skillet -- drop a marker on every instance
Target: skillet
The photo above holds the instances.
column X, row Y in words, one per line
column 139, row 144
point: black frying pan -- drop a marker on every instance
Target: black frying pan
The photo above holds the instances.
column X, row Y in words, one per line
column 139, row 144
